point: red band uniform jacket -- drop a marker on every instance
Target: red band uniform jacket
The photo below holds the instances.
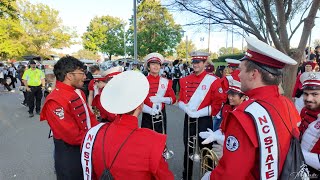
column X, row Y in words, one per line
column 154, row 84
column 64, row 111
column 243, row 163
column 214, row 97
column 140, row 157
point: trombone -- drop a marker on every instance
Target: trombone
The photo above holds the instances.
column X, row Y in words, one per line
column 193, row 143
column 208, row 156
column 158, row 118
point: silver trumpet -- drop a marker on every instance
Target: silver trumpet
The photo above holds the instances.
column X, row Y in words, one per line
column 158, row 118
column 193, row 143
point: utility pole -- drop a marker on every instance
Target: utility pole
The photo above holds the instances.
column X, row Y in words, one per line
column 186, row 47
column 209, row 36
column 135, row 30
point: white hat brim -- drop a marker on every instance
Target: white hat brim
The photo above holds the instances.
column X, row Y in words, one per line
column 124, row 92
column 263, row 48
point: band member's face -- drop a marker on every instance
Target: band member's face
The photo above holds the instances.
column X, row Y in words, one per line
column 311, row 99
column 244, row 77
column 154, row 68
column 199, row 67
column 308, row 68
column 235, row 99
column 77, row 79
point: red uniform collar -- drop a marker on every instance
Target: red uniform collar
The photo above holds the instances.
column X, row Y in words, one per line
column 202, row 75
column 263, row 92
column 61, row 85
column 126, row 120
column 153, row 77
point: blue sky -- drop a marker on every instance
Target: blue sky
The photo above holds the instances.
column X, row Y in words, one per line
column 78, row 13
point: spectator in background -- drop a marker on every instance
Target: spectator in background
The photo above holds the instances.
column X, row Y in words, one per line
column 176, row 75
column 210, row 68
column 89, row 77
column 20, row 74
column 92, row 88
column 3, row 78
column 221, row 71
column 317, row 53
column 12, row 71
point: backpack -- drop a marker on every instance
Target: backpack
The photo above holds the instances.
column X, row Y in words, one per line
column 177, row 72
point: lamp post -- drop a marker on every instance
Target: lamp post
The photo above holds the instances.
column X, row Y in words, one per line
column 182, row 33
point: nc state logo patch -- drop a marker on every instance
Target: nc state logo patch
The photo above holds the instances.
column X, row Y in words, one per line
column 232, row 143
column 204, row 87
column 317, row 125
column 59, row 112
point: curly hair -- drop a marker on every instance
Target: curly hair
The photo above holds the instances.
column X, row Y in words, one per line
column 65, row 65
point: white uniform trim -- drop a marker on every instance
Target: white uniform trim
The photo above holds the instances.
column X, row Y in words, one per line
column 162, row 89
column 85, row 108
column 268, row 141
column 86, row 151
column 311, row 136
column 201, row 92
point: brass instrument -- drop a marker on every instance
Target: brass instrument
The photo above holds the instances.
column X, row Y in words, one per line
column 158, row 118
column 208, row 156
column 193, row 142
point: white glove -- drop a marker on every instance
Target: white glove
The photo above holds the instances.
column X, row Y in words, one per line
column 147, row 109
column 182, row 106
column 218, row 149
column 211, row 136
column 158, row 99
column 206, row 176
column 155, row 111
column 206, row 111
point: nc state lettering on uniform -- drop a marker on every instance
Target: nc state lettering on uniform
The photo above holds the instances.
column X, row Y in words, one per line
column 268, row 142
column 87, row 154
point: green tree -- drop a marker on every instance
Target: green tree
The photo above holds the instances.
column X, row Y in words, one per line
column 86, row 54
column 11, row 34
column 44, row 29
column 105, row 34
column 8, row 9
column 181, row 49
column 226, row 51
column 272, row 21
column 156, row 30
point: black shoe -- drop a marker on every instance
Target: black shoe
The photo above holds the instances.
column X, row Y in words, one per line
column 38, row 112
column 31, row 114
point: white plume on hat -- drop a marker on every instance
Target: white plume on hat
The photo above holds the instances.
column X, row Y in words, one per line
column 154, row 57
column 124, row 92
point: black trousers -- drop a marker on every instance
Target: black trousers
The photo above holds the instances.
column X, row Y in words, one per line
column 13, row 81
column 4, row 82
column 147, row 122
column 35, row 94
column 175, row 83
column 67, row 161
column 203, row 123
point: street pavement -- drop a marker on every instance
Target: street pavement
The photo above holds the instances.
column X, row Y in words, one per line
column 27, row 153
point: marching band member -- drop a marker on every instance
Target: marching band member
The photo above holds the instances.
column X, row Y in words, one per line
column 160, row 93
column 92, row 87
column 200, row 98
column 101, row 82
column 235, row 98
column 310, row 123
column 121, row 149
column 255, row 124
column 68, row 116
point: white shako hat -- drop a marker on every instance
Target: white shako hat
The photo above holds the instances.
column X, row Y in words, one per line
column 197, row 56
column 232, row 62
column 153, row 57
column 234, row 85
column 266, row 55
column 124, row 92
column 310, row 80
column 109, row 73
